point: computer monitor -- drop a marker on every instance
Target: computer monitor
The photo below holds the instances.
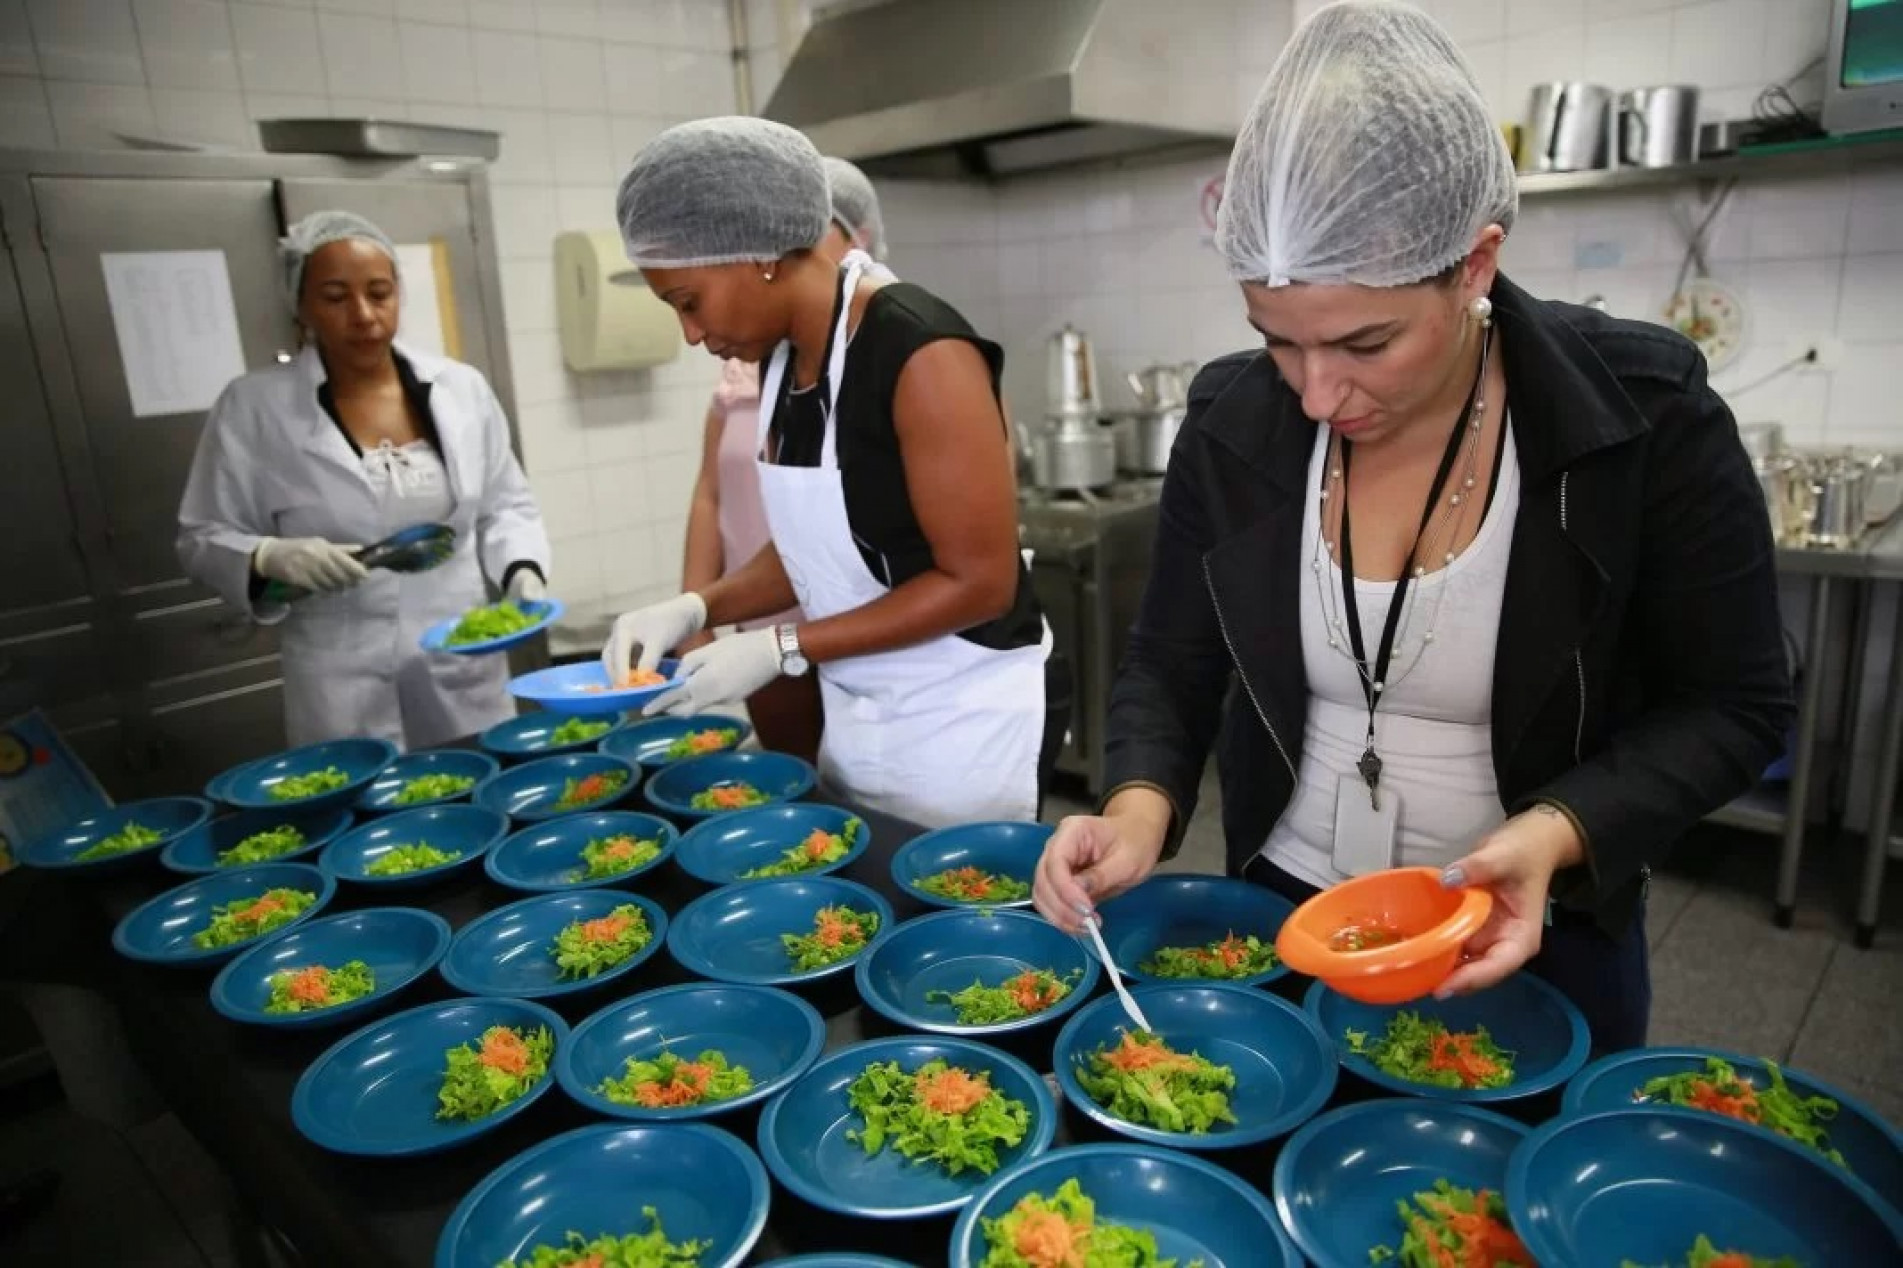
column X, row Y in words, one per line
column 1863, row 68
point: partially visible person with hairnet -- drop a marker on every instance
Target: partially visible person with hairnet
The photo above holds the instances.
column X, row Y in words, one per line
column 1491, row 572
column 885, row 472
column 301, row 464
column 726, row 525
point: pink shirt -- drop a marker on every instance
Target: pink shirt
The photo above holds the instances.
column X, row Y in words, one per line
column 743, row 526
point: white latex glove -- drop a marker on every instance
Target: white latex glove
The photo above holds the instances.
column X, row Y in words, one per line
column 526, row 586
column 731, row 668
column 651, row 633
column 309, row 563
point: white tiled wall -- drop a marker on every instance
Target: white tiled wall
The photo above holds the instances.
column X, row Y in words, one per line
column 573, row 86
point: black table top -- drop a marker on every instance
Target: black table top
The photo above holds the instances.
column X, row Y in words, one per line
column 231, row 1084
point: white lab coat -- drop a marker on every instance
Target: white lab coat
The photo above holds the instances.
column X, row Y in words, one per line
column 272, row 463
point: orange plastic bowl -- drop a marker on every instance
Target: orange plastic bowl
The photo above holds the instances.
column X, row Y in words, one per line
column 1434, row 923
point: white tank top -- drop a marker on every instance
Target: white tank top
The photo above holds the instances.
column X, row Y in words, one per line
column 1434, row 731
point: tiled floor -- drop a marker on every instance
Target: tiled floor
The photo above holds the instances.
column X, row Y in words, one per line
column 1723, row 975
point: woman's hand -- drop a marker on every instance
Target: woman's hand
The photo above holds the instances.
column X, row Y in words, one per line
column 1515, row 862
column 1090, row 860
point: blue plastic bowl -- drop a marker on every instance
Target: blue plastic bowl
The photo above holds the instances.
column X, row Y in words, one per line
column 1872, row 1147
column 361, row 760
column 803, row 1132
column 400, row 944
column 532, row 735
column 533, row 791
column 646, row 742
column 381, row 796
column 1340, row 1178
column 196, row 852
column 1284, row 1065
column 780, row 776
column 545, row 858
column 160, row 931
column 775, row 1035
column 1198, row 1211
column 1541, row 1028
column 949, row 950
column 702, row 1182
column 545, row 611
column 1003, row 849
column 1188, row 911
column 836, row 1259
column 464, row 830
column 733, row 934
column 511, row 950
column 721, row 850
column 582, row 689
column 373, row 1092
column 1642, row 1184
column 170, row 817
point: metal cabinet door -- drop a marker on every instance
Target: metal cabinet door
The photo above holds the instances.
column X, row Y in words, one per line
column 416, row 213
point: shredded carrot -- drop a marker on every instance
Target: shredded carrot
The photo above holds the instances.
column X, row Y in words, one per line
column 1031, row 994
column 1047, row 1240
column 688, row 1085
column 1730, row 1259
column 590, row 1261
column 832, row 928
column 503, row 1049
column 262, row 908
column 1744, row 1105
column 951, row 1091
column 818, row 843
column 618, row 848
column 707, row 741
column 1484, row 1241
column 1131, row 1055
column 310, row 985
column 1456, row 1052
column 605, row 929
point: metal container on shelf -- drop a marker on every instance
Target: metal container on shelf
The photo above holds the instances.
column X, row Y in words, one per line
column 1070, row 374
column 1658, row 127
column 1568, row 128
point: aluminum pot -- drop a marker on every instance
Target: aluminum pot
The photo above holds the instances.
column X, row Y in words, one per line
column 1568, row 128
column 1658, row 127
column 1145, row 438
column 1073, row 454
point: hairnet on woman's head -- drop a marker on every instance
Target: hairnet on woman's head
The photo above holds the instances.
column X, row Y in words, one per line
column 723, row 190
column 856, row 205
column 317, row 230
column 1369, row 156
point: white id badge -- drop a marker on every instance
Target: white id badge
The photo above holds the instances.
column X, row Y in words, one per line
column 1364, row 836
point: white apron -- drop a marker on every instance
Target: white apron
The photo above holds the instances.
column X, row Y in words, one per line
column 940, row 733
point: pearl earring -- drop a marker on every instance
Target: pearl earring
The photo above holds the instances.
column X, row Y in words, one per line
column 1481, row 310
column 768, row 277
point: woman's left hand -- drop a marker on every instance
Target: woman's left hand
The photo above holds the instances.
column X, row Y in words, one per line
column 1515, row 862
column 728, row 669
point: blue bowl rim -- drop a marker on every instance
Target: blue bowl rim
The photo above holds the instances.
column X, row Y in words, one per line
column 625, row 734
column 327, row 861
column 228, row 1008
column 670, row 841
column 1578, row 1048
column 486, row 739
column 326, row 890
column 723, row 821
column 347, row 794
column 1279, row 971
column 1037, row 1140
column 436, row 637
column 325, row 1139
column 33, row 853
column 701, row 967
column 754, row 1225
column 862, row 974
column 567, row 758
column 1240, row 1136
column 169, row 859
column 916, row 845
column 1300, row 1139
column 809, row 779
column 489, row 761
column 966, row 1226
column 657, row 926
column 588, row 1098
column 1521, row 1163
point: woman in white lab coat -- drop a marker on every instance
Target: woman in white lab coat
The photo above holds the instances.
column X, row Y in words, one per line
column 355, row 439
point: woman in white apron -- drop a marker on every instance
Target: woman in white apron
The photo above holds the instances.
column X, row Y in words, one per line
column 357, row 438
column 887, row 478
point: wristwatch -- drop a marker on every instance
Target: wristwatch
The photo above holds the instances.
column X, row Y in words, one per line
column 793, row 662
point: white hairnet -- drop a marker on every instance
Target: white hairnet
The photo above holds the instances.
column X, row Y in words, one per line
column 856, row 205
column 722, row 190
column 320, row 229
column 1369, row 156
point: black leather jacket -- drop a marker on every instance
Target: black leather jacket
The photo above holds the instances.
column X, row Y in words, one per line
column 1640, row 679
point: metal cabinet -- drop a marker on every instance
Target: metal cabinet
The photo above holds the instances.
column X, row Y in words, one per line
column 154, row 680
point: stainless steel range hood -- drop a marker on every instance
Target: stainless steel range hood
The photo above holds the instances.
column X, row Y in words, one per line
column 999, row 87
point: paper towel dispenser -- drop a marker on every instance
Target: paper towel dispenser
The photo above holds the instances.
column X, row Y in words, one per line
column 608, row 320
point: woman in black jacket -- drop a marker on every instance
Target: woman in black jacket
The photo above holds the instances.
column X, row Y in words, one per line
column 1561, row 646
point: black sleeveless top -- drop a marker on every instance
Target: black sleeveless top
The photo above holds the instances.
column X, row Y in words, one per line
column 899, row 320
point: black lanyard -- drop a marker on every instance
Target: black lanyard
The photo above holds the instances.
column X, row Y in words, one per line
column 1374, row 682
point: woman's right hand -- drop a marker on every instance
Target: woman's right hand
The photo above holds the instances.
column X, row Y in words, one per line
column 640, row 638
column 1090, row 860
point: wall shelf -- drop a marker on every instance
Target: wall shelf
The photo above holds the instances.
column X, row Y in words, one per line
column 1795, row 158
